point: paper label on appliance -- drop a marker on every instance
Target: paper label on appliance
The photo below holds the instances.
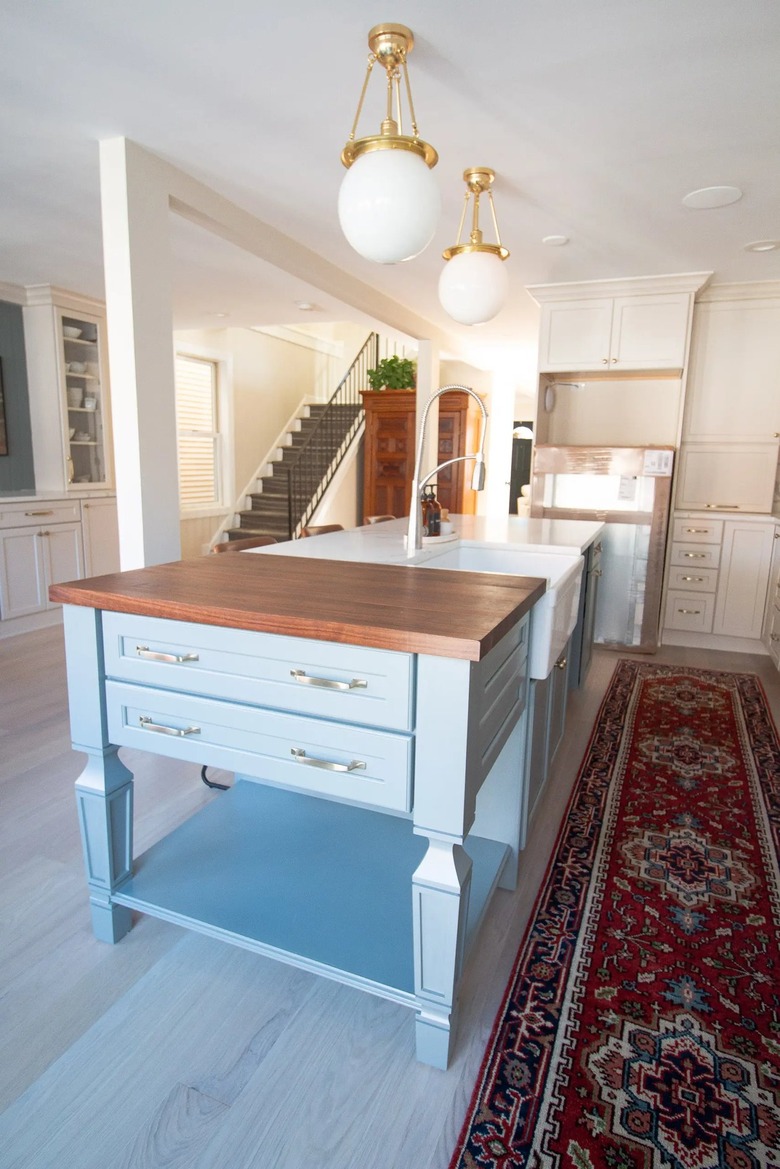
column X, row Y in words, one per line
column 627, row 489
column 657, row 463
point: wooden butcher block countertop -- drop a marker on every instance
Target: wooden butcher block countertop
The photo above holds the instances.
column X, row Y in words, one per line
column 410, row 609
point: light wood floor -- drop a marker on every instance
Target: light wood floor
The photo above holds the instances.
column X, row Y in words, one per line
column 171, row 1050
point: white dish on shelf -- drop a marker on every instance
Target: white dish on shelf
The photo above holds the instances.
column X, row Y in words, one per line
column 76, row 367
column 71, row 332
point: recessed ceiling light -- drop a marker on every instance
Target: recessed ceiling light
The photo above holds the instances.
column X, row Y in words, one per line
column 306, row 306
column 711, row 197
column 763, row 245
column 555, row 241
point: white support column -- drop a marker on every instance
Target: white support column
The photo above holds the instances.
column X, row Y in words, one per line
column 136, row 248
column 427, row 384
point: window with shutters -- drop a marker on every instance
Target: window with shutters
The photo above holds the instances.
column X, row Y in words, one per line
column 198, row 432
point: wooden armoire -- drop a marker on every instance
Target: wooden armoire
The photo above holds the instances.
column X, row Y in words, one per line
column 389, row 451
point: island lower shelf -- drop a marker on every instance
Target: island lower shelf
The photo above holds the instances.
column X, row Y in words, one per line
column 318, row 884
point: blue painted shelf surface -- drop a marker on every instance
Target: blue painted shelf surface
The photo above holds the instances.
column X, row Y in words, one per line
column 320, row 884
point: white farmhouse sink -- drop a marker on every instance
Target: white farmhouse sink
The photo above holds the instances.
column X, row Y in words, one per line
column 554, row 615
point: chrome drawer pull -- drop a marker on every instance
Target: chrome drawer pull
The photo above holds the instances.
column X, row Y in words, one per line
column 774, row 636
column 692, row 612
column 696, row 555
column 700, row 579
column 151, row 655
column 699, row 531
column 302, row 757
column 724, row 506
column 180, row 732
column 328, row 683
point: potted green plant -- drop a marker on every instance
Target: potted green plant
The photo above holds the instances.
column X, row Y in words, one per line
column 392, row 373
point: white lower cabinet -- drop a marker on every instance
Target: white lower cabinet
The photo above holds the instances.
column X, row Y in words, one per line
column 772, row 615
column 33, row 558
column 101, row 536
column 718, row 576
column 743, row 579
column 45, row 542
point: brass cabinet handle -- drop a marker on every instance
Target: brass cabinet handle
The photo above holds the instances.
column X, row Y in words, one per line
column 39, row 513
column 774, row 636
column 328, row 683
column 311, row 761
column 597, row 572
column 151, row 655
column 179, row 732
column 723, row 506
column 560, row 664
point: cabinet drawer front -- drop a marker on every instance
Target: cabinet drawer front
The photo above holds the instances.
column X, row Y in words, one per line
column 698, row 531
column 696, row 580
column 696, row 555
column 311, row 755
column 48, row 511
column 690, row 611
column 345, row 682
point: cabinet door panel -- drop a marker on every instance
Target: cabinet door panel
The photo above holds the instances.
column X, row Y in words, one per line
column 101, row 537
column 733, row 378
column 63, row 553
column 731, row 477
column 743, row 579
column 22, row 573
column 576, row 334
column 649, row 332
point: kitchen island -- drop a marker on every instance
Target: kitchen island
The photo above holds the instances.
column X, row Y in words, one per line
column 375, row 717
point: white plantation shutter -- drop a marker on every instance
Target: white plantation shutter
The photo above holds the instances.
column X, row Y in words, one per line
column 197, row 431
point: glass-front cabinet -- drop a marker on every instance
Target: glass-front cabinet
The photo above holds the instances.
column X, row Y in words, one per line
column 85, row 402
column 67, row 369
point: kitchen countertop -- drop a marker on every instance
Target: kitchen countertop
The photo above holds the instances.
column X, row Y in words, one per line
column 386, row 543
column 388, row 606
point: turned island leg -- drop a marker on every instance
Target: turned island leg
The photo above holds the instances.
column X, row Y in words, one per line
column 104, row 790
column 441, row 887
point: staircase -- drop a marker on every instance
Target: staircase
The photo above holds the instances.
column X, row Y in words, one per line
column 287, row 496
column 286, row 499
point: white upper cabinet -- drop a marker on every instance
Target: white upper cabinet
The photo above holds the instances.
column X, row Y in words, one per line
column 734, row 372
column 616, row 325
column 67, row 372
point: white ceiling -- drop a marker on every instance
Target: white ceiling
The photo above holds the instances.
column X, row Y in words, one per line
column 598, row 116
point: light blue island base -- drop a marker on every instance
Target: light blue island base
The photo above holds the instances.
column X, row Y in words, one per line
column 318, row 884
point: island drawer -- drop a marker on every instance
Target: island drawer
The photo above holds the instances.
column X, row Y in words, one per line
column 315, row 756
column 349, row 683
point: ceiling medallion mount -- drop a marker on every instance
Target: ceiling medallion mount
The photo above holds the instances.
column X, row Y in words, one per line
column 478, row 180
column 390, row 45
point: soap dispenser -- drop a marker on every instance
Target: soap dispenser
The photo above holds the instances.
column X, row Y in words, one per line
column 433, row 513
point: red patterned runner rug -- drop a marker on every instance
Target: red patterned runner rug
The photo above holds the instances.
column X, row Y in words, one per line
column 641, row 1025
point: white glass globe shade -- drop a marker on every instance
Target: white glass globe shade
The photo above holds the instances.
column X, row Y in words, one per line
column 473, row 287
column 389, row 205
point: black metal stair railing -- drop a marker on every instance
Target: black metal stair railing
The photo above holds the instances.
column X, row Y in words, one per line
column 312, row 465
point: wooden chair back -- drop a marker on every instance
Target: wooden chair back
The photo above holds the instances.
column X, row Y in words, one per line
column 320, row 530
